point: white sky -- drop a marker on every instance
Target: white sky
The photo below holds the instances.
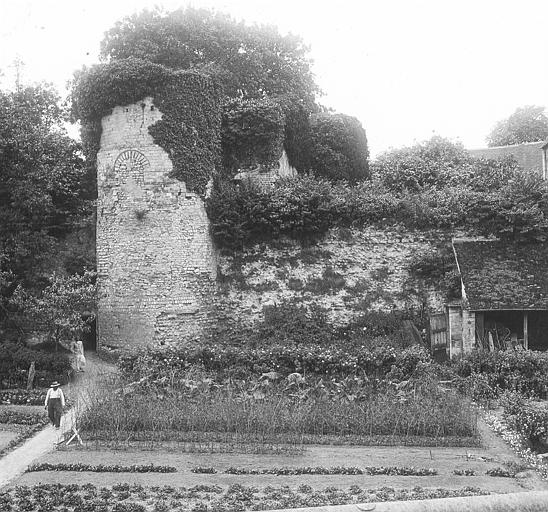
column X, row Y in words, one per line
column 407, row 69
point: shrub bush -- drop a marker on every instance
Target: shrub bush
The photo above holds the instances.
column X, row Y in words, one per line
column 252, row 133
column 528, row 418
column 338, row 147
column 15, row 360
column 525, row 371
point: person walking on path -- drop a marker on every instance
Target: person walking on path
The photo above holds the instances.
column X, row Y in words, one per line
column 78, row 349
column 55, row 401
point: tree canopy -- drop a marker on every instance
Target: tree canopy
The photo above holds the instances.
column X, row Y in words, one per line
column 338, row 147
column 45, row 188
column 251, row 61
column 526, row 124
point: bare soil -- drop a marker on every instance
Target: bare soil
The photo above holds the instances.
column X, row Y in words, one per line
column 444, row 460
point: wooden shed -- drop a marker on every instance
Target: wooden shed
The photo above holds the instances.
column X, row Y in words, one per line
column 504, row 300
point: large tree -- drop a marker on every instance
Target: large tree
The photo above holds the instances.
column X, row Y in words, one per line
column 526, row 124
column 252, row 61
column 45, row 188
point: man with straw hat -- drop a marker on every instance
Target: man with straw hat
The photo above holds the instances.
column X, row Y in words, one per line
column 55, row 401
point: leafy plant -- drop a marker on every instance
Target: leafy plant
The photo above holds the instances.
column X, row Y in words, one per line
column 59, row 308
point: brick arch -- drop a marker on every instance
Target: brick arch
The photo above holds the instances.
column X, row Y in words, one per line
column 131, row 164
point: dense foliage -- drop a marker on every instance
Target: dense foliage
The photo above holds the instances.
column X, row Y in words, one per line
column 338, row 147
column 251, row 61
column 252, row 133
column 285, row 359
column 254, row 64
column 439, row 163
column 306, row 207
column 45, row 188
column 60, row 308
column 190, row 102
column 489, row 373
column 526, row 124
column 23, row 397
column 15, row 360
column 292, row 410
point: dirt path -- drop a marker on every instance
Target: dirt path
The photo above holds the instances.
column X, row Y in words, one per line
column 16, row 462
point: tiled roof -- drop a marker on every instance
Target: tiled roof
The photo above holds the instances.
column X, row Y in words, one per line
column 503, row 275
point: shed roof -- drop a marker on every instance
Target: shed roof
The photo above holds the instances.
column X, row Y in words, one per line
column 500, row 275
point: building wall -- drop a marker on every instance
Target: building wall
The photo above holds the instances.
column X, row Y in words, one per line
column 373, row 264
column 530, row 156
column 155, row 259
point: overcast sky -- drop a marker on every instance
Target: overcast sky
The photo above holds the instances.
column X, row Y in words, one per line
column 407, row 69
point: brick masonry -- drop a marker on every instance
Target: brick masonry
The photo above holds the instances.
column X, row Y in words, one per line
column 155, row 259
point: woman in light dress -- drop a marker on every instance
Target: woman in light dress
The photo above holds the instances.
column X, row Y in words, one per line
column 78, row 349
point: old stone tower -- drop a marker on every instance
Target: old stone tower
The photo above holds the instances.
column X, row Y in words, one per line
column 155, row 259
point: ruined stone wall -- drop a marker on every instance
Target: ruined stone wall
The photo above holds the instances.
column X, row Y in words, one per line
column 155, row 260
column 347, row 273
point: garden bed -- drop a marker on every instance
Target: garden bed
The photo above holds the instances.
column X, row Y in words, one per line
column 203, row 498
column 18, row 423
column 443, row 461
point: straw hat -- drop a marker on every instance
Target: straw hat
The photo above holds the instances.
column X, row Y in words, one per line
column 55, row 384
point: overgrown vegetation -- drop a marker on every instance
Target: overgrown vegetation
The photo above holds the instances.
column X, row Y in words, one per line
column 189, row 130
column 46, row 194
column 306, row 207
column 486, row 374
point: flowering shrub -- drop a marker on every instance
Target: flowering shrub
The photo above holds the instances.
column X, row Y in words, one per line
column 529, row 419
column 518, row 441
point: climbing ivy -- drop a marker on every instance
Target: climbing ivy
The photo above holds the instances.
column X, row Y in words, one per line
column 252, row 133
column 190, row 103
